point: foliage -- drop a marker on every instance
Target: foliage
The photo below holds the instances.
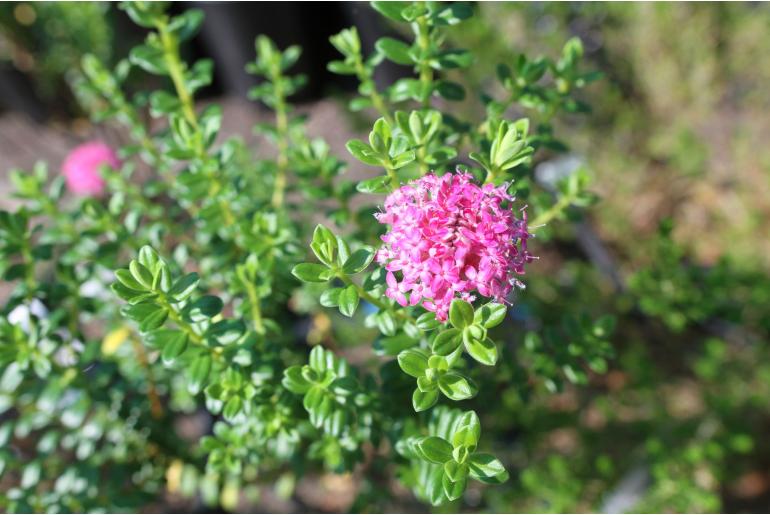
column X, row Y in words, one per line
column 202, row 285
column 46, row 41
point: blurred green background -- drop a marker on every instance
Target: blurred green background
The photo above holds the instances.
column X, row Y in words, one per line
column 678, row 147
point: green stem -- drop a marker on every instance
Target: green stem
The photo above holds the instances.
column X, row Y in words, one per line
column 379, row 104
column 29, row 268
column 554, row 211
column 426, row 72
column 421, row 155
column 365, row 76
column 256, row 311
column 394, row 182
column 156, row 408
column 174, row 315
column 282, row 141
column 176, row 72
column 491, row 174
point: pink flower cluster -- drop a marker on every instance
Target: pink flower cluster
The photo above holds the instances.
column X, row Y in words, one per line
column 81, row 168
column 450, row 237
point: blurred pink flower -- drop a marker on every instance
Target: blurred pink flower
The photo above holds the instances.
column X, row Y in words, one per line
column 450, row 237
column 81, row 167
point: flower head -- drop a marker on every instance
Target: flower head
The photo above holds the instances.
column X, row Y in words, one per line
column 449, row 238
column 81, row 167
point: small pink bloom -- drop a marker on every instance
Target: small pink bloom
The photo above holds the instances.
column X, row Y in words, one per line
column 448, row 238
column 81, row 168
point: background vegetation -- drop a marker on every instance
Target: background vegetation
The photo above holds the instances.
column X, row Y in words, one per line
column 676, row 249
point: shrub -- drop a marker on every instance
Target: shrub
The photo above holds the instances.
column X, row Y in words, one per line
column 183, row 284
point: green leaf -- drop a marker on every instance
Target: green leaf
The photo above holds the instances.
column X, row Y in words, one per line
column 454, row 489
column 311, row 273
column 450, row 90
column 422, row 401
column 424, row 384
column 163, row 103
column 162, row 278
column 438, row 362
column 460, row 454
column 330, row 298
column 363, row 152
column 347, row 42
column 225, row 332
column 142, row 275
column 427, row 321
column 143, row 14
column 199, row 371
column 127, row 280
column 480, row 159
column 160, row 337
column 405, row 89
column 455, row 59
column 344, row 386
column 210, row 121
column 484, row 351
column 313, row 398
column 380, row 137
column 435, row 487
column 386, row 323
column 324, row 244
column 204, row 308
column 294, row 381
column 148, row 257
column 358, row 261
column 232, row 408
column 336, row 423
column 509, row 148
column 290, row 56
column 391, row 10
column 322, row 360
column 413, row 362
column 456, row 386
column 149, row 58
column 154, row 320
column 456, row 471
column 474, row 332
column 468, row 431
column 138, row 312
column 11, row 378
column 343, row 251
column 348, row 301
column 604, row 326
column 174, row 345
column 187, row 24
column 434, row 449
column 343, row 68
column 184, row 286
column 446, row 342
column 487, row 469
column 374, row 185
column 31, row 475
column 395, row 50
column 454, row 13
column 392, row 345
column 490, row 315
column 126, row 293
column 200, row 75
column 573, row 50
column 403, row 159
column 460, row 314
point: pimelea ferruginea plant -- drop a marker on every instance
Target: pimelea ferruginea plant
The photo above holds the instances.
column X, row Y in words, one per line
column 211, row 279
